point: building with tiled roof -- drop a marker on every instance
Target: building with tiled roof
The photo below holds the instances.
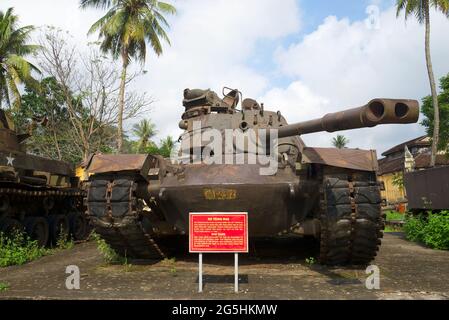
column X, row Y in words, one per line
column 393, row 164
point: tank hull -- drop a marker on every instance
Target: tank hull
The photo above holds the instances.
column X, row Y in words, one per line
column 227, row 188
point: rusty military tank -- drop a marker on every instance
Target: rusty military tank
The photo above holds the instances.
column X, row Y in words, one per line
column 137, row 202
column 37, row 195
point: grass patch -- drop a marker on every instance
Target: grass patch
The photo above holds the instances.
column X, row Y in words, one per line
column 3, row 286
column 64, row 242
column 391, row 229
column 394, row 215
column 171, row 264
column 18, row 248
column 109, row 255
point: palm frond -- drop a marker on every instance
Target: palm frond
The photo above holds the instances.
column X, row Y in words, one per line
column 97, row 4
column 129, row 25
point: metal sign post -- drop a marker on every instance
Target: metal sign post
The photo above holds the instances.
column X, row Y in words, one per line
column 236, row 271
column 200, row 275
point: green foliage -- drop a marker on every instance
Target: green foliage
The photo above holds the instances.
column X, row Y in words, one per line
column 428, row 112
column 310, row 261
column 144, row 130
column 418, row 8
column 436, row 232
column 53, row 140
column 18, row 249
column 340, row 141
column 14, row 69
column 414, row 228
column 398, row 180
column 164, row 149
column 64, row 242
column 3, row 286
column 394, row 215
column 389, row 229
column 128, row 26
column 432, row 230
column 57, row 139
column 109, row 255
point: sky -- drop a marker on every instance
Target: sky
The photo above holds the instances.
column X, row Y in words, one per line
column 305, row 58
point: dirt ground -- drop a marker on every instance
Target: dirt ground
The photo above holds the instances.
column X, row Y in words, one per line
column 278, row 270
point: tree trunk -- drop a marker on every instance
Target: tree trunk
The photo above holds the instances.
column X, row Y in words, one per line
column 436, row 119
column 121, row 105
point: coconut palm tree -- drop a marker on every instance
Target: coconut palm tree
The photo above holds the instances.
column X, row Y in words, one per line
column 421, row 10
column 166, row 146
column 14, row 68
column 340, row 142
column 145, row 130
column 125, row 30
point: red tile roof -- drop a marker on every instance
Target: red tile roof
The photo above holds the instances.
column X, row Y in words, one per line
column 412, row 143
column 422, row 161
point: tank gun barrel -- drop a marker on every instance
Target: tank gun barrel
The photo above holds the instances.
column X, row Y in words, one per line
column 376, row 112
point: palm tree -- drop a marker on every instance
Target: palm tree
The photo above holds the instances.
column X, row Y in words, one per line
column 340, row 142
column 125, row 30
column 14, row 69
column 166, row 147
column 421, row 10
column 145, row 130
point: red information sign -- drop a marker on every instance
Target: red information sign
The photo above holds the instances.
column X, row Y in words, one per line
column 218, row 232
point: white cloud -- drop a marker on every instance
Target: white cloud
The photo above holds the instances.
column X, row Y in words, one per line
column 63, row 14
column 349, row 64
column 215, row 43
column 212, row 43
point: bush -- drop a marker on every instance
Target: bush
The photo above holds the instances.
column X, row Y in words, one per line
column 432, row 230
column 18, row 249
column 436, row 232
column 414, row 228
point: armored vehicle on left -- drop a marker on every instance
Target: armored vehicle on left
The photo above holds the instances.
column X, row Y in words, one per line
column 37, row 195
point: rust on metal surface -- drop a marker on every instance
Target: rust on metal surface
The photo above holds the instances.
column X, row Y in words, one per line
column 356, row 159
column 376, row 112
column 37, row 193
column 102, row 163
column 428, row 189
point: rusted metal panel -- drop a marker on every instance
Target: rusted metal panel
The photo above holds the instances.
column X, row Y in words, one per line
column 29, row 162
column 356, row 159
column 104, row 163
column 376, row 112
column 428, row 189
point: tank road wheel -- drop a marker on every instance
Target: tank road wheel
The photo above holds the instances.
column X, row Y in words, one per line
column 59, row 224
column 8, row 226
column 351, row 219
column 78, row 225
column 37, row 229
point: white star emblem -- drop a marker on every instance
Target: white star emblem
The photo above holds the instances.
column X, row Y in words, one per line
column 10, row 160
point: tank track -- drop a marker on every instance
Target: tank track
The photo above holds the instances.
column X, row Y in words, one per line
column 351, row 218
column 117, row 214
column 29, row 194
column 17, row 191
